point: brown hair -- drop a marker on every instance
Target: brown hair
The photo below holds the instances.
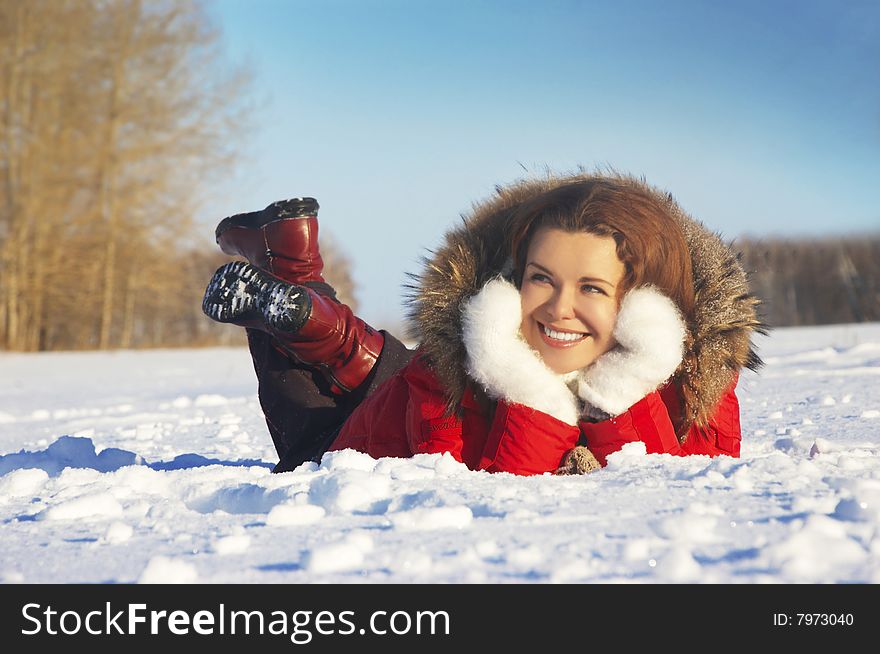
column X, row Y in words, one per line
column 649, row 242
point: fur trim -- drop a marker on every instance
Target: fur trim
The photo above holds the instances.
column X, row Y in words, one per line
column 718, row 342
column 650, row 333
column 502, row 362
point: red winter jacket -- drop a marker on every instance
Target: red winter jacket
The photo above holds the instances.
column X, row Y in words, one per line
column 405, row 417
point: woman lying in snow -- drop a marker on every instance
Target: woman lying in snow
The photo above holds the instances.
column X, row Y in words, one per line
column 565, row 317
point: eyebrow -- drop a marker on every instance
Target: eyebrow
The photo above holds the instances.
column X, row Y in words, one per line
column 582, row 279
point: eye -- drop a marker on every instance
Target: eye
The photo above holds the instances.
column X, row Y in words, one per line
column 590, row 289
column 539, row 278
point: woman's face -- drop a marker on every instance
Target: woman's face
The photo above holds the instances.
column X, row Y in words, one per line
column 569, row 297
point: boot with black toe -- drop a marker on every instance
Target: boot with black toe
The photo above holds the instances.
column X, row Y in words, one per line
column 310, row 327
column 282, row 239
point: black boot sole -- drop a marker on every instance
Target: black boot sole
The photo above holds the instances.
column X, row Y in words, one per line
column 281, row 210
column 239, row 293
column 232, row 293
column 285, row 307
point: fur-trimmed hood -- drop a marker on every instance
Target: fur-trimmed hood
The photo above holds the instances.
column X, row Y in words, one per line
column 718, row 342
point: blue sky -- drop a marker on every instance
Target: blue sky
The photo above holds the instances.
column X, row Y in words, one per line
column 760, row 117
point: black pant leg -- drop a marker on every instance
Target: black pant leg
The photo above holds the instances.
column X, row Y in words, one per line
column 302, row 413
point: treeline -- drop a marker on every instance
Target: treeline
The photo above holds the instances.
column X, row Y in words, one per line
column 815, row 281
column 107, row 126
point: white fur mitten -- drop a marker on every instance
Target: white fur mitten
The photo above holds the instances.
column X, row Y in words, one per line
column 502, row 362
column 650, row 333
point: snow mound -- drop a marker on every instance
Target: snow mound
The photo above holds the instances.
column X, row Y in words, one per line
column 69, row 452
column 118, row 532
column 22, row 482
column 444, row 517
column 167, row 570
column 94, row 506
column 350, row 489
column 349, row 554
column 235, row 544
column 287, row 515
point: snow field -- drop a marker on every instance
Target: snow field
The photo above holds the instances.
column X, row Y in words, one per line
column 155, row 467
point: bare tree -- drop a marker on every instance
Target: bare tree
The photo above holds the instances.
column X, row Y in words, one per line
column 112, row 113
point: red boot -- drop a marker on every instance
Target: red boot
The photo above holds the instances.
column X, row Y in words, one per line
column 312, row 328
column 282, row 239
column 334, row 339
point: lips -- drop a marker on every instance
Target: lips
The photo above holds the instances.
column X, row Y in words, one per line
column 560, row 339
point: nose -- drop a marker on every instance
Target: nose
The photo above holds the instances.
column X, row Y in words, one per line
column 560, row 306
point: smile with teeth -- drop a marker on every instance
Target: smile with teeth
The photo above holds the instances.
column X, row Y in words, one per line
column 565, row 337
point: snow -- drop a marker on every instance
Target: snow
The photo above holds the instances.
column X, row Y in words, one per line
column 154, row 467
column 165, row 570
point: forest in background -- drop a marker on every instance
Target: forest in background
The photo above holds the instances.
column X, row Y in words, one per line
column 814, row 281
column 115, row 116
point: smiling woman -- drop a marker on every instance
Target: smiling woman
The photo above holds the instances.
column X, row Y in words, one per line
column 569, row 302
column 564, row 319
